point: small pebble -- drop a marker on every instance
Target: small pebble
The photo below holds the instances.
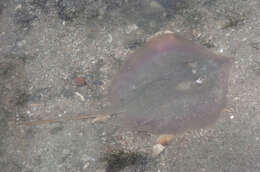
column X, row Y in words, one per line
column 110, row 38
column 21, row 43
column 157, row 149
column 131, row 28
column 18, row 7
column 199, row 81
column 86, row 165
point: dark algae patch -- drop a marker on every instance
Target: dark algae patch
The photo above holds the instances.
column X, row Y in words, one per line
column 171, row 85
column 119, row 159
column 70, row 9
column 13, row 83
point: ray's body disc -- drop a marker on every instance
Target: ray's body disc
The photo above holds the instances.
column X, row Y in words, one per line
column 171, row 85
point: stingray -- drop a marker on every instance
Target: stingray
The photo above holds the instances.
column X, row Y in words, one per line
column 168, row 86
column 171, row 85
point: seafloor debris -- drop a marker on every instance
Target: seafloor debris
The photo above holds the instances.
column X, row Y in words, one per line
column 171, row 85
column 166, row 139
column 80, row 81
